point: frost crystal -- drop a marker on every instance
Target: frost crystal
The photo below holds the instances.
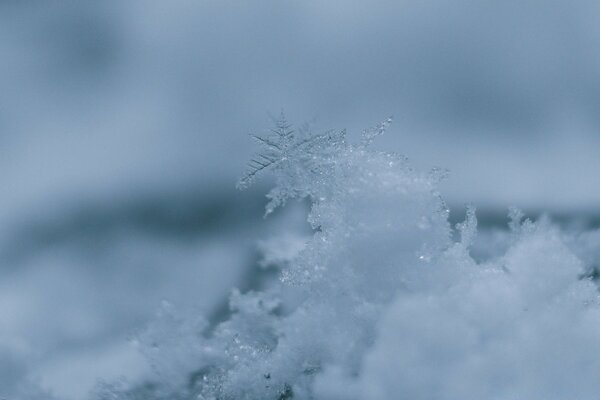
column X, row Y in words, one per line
column 380, row 303
column 468, row 228
column 295, row 160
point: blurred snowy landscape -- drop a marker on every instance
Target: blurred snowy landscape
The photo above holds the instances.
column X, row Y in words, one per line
column 124, row 128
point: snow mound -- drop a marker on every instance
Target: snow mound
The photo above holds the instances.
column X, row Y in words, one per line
column 381, row 302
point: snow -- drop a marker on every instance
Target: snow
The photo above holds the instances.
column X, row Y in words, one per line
column 108, row 109
column 381, row 302
column 525, row 326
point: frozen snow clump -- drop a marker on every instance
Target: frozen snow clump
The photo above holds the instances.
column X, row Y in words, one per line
column 381, row 302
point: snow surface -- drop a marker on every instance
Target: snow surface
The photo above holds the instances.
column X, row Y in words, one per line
column 381, row 302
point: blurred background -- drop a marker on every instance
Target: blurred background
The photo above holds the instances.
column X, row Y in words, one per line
column 124, row 127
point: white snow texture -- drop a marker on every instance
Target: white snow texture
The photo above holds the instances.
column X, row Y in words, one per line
column 381, row 302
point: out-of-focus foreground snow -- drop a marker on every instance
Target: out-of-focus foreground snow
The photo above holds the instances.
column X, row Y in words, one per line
column 123, row 129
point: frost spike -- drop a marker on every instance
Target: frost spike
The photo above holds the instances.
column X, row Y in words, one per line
column 266, row 141
column 370, row 134
column 267, row 158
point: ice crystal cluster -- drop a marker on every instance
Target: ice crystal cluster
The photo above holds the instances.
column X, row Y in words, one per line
column 381, row 302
